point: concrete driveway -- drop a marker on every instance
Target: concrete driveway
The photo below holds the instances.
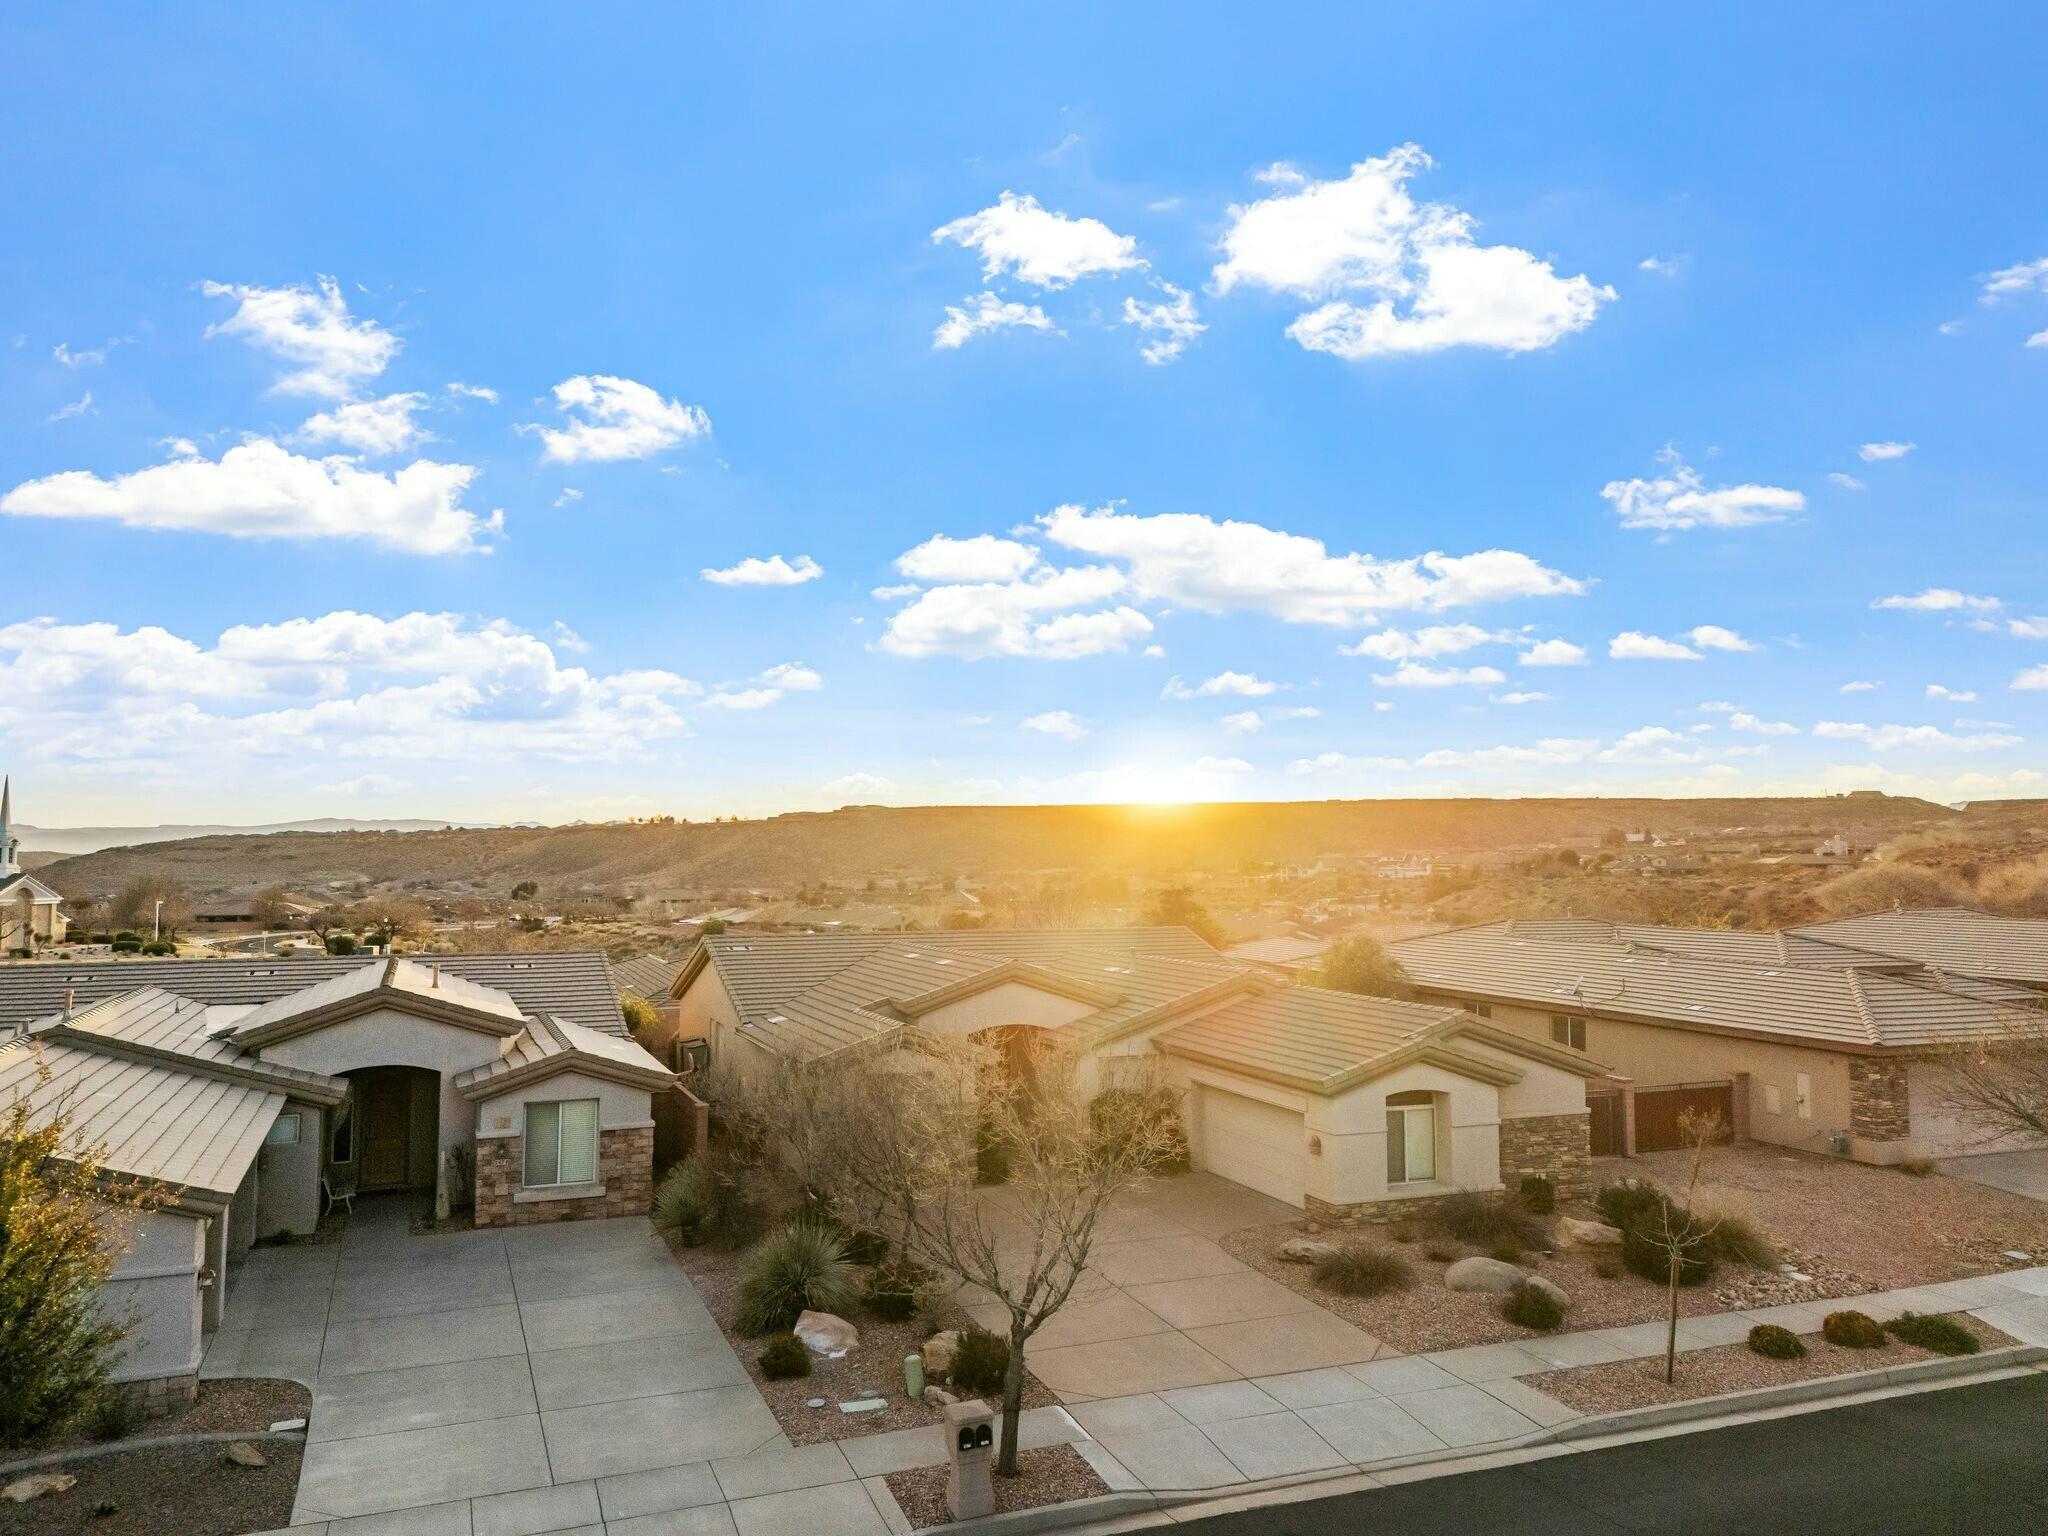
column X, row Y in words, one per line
column 474, row 1379
column 2021, row 1173
column 1164, row 1307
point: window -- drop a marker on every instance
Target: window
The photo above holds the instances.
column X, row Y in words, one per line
column 1472, row 1005
column 1411, row 1138
column 283, row 1132
column 561, row 1142
column 341, row 1145
column 1569, row 1029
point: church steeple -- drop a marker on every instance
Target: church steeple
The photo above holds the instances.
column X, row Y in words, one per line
column 8, row 841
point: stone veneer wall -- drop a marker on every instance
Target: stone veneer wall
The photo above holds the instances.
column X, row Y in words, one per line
column 1558, row 1147
column 1878, row 1108
column 625, row 1167
column 161, row 1397
column 1371, row 1213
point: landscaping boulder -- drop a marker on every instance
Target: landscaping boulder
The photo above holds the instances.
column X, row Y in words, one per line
column 1549, row 1288
column 1484, row 1275
column 829, row 1337
column 939, row 1352
column 939, row 1397
column 243, row 1454
column 1573, row 1233
column 36, row 1485
column 1305, row 1250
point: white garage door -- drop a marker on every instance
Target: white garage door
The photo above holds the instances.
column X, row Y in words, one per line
column 1258, row 1145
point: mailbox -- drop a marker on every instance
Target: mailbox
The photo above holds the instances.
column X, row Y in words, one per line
column 970, row 1450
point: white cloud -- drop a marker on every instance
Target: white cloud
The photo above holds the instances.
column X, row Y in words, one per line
column 1171, row 323
column 1938, row 691
column 457, row 390
column 569, row 497
column 371, row 426
column 1413, row 674
column 86, row 357
column 1016, row 237
column 985, row 312
column 263, row 490
column 981, row 558
column 1243, row 723
column 860, row 786
column 1650, row 744
column 1553, row 653
column 2032, row 680
column 1244, row 684
column 1887, row 738
column 2034, row 628
column 1217, row 567
column 1877, row 453
column 1056, row 722
column 1861, row 685
column 1743, row 720
column 1549, row 752
column 792, row 677
column 79, row 407
column 1712, row 637
column 1679, row 498
column 1632, row 645
column 1524, row 696
column 1846, row 482
column 744, row 698
column 774, row 571
column 1033, row 617
column 1396, row 277
column 1435, row 640
column 336, row 352
column 2026, row 277
column 1939, row 600
column 613, row 418
column 1662, row 266
column 1231, row 766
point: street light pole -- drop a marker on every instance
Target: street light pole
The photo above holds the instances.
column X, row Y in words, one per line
column 159, row 930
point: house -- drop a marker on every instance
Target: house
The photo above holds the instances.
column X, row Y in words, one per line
column 1285, row 954
column 30, row 916
column 1352, row 1108
column 1828, row 1037
column 239, row 1091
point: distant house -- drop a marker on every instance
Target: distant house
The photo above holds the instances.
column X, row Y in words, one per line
column 1827, row 1037
column 1287, row 954
column 1352, row 1108
column 30, row 912
column 240, row 1090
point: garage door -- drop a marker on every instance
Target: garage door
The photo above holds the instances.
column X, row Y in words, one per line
column 1258, row 1145
column 1660, row 1113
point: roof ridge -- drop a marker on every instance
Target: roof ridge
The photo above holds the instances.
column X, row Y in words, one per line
column 1862, row 1002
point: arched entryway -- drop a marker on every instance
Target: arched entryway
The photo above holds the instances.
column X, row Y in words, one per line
column 390, row 1132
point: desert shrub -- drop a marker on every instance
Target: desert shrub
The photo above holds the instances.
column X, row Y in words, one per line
column 1628, row 1202
column 1640, row 1209
column 341, row 943
column 125, row 946
column 1441, row 1253
column 895, row 1289
column 1775, row 1343
column 867, row 1247
column 982, row 1362
column 802, row 1268
column 1918, row 1167
column 1539, row 1195
column 1358, row 1269
column 112, row 1415
column 1115, row 1113
column 1531, row 1306
column 1943, row 1335
column 159, row 947
column 712, row 1198
column 1852, row 1330
column 640, row 1016
column 1643, row 1253
column 785, row 1358
column 1486, row 1219
column 1738, row 1240
column 1507, row 1251
column 127, row 936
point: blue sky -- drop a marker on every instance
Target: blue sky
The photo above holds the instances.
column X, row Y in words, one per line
column 1222, row 404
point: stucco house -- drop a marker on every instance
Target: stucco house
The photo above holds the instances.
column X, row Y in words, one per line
column 1829, row 1038
column 246, row 1092
column 1352, row 1108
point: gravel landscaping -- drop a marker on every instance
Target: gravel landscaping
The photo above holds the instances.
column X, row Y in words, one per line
column 1730, row 1368
column 875, row 1369
column 228, row 1404
column 188, row 1489
column 1054, row 1475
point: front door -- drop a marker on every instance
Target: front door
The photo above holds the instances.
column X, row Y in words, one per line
column 384, row 1118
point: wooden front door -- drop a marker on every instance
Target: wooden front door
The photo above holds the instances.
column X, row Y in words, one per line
column 1607, row 1129
column 384, row 1120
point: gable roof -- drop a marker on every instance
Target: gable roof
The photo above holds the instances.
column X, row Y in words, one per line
column 549, row 1046
column 418, row 989
column 151, row 1025
column 12, row 886
column 645, row 976
column 1956, row 939
column 576, row 984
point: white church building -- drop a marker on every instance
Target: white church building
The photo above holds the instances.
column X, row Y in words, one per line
column 29, row 912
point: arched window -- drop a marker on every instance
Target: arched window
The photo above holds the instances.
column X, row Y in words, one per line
column 1411, row 1137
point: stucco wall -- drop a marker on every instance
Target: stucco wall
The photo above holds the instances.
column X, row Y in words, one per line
column 1940, row 1127
column 1658, row 1057
column 1012, row 1002
column 155, row 1290
column 618, row 1107
column 706, row 1012
column 288, row 1178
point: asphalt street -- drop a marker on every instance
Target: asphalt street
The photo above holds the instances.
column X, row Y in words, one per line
column 1972, row 1461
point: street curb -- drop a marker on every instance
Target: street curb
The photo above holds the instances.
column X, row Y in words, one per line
column 145, row 1443
column 1053, row 1517
column 1818, row 1389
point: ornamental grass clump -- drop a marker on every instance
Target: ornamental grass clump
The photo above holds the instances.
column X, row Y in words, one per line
column 1486, row 1220
column 802, row 1268
column 1531, row 1306
column 1358, row 1269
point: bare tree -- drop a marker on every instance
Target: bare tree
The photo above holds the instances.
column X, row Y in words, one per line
column 147, row 898
column 1070, row 1156
column 271, row 908
column 1682, row 1232
column 1997, row 1083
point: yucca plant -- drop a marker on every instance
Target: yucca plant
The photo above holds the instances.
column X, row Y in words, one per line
column 802, row 1268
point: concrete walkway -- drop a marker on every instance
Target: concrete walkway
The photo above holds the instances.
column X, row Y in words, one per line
column 2019, row 1173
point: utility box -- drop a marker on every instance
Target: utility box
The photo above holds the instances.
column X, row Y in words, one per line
column 971, row 1453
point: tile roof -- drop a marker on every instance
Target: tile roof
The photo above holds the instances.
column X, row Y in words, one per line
column 561, row 1045
column 577, row 984
column 190, row 1036
column 1952, row 938
column 645, row 976
column 1307, row 1034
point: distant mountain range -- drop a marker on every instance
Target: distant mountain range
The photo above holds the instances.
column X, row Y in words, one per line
column 76, row 840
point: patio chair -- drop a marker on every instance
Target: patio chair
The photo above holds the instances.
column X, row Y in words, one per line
column 342, row 1194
